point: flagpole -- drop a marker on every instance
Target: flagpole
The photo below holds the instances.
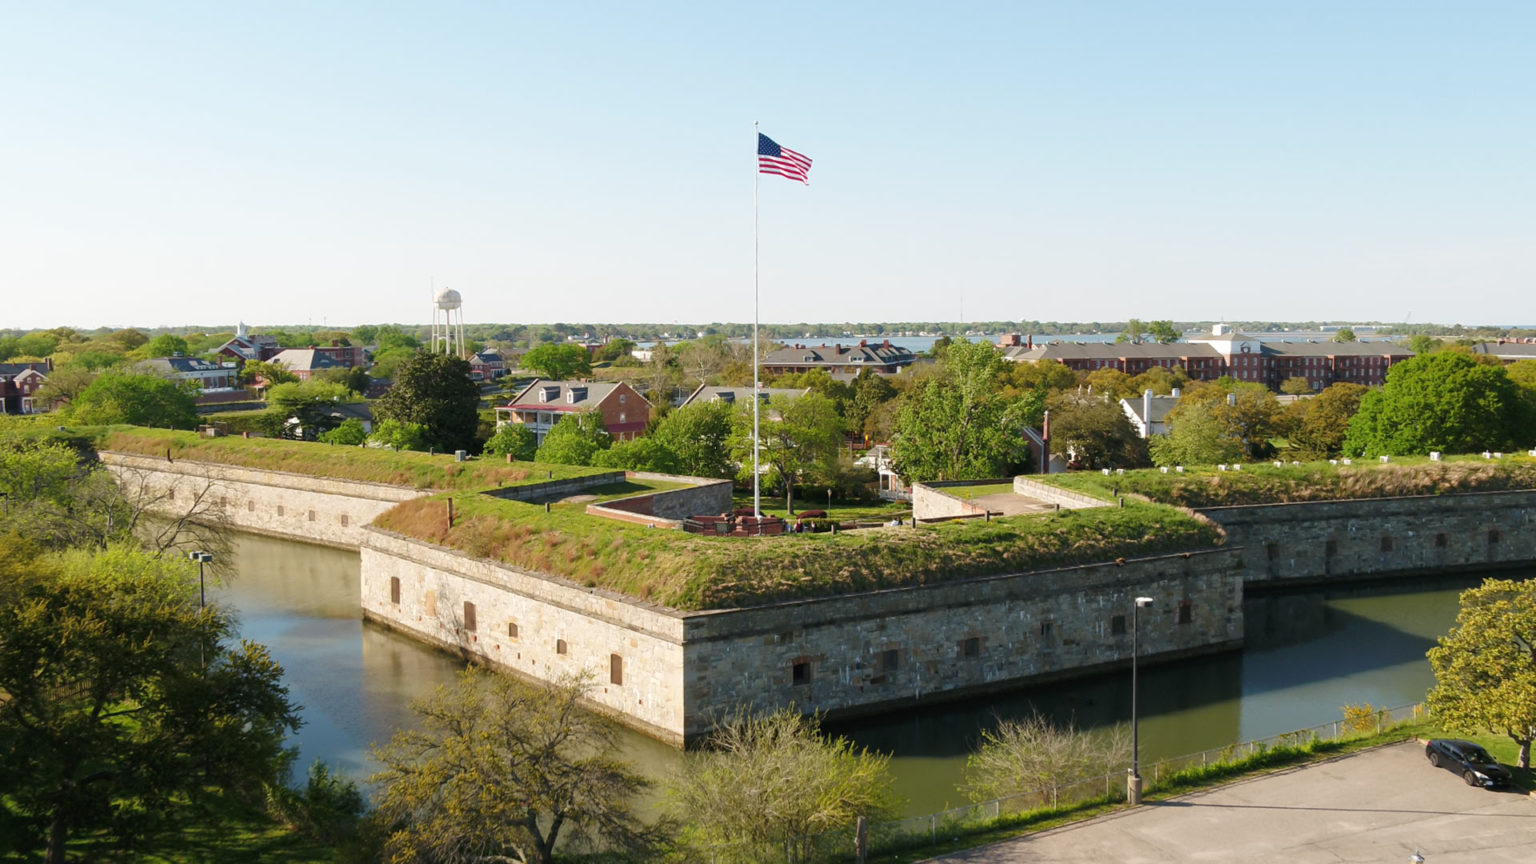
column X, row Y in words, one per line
column 757, row 509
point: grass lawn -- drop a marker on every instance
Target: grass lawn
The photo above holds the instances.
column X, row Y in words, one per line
column 1263, row 483
column 773, row 505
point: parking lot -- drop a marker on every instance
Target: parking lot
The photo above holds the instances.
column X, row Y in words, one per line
column 1380, row 805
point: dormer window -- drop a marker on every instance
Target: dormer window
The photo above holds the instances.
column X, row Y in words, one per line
column 725, row 396
column 549, row 394
column 575, row 394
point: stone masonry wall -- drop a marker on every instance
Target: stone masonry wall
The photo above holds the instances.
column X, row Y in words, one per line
column 860, row 653
column 532, row 625
column 1326, row 541
column 930, row 503
column 277, row 503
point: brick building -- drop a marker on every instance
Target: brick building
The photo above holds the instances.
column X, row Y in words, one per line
column 841, row 361
column 543, row 403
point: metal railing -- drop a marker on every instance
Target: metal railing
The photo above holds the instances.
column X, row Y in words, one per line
column 929, row 829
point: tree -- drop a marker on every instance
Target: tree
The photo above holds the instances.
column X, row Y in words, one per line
column 956, row 426
column 65, row 385
column 266, row 374
column 514, row 438
column 796, row 434
column 699, row 436
column 349, row 432
column 770, row 780
column 1485, row 668
column 1111, row 382
column 110, row 721
column 870, row 393
column 139, row 400
column 1034, row 755
column 558, row 361
column 1422, row 344
column 1163, row 332
column 1320, row 432
column 1095, row 432
column 1198, row 437
column 1444, row 401
column 646, row 453
column 575, row 440
column 1047, row 375
column 502, row 771
column 613, row 350
column 1247, row 412
column 1133, row 333
column 399, row 436
column 164, row 345
column 1344, row 334
column 1296, row 385
column 309, row 403
column 435, row 391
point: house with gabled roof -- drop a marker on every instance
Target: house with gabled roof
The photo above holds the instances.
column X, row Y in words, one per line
column 247, row 346
column 544, row 402
column 305, row 362
column 841, row 361
column 206, row 375
column 741, row 395
column 19, row 383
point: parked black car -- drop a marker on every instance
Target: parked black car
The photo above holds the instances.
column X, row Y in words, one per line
column 1469, row 760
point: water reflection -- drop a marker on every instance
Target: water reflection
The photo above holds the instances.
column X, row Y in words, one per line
column 1307, row 655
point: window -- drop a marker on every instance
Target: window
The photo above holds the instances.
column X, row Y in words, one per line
column 250, row 506
column 1386, row 544
column 1441, row 541
column 1273, row 551
column 890, row 660
column 511, row 629
column 621, row 402
column 1117, row 625
column 1493, row 536
column 561, row 647
column 623, row 418
column 615, row 669
column 800, row 672
column 1046, row 628
column 970, row 648
column 394, row 590
column 344, row 520
column 1186, row 612
column 1331, row 548
column 311, row 515
column 469, row 616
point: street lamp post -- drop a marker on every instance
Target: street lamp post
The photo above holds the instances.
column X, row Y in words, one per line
column 1133, row 782
column 202, row 558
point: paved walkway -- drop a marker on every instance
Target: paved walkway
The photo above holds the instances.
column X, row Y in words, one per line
column 1009, row 504
column 1376, row 806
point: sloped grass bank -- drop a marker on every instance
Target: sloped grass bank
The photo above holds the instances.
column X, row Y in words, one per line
column 1263, row 483
column 365, row 464
column 694, row 572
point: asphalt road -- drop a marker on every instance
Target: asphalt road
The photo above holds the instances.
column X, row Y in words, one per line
column 1376, row 806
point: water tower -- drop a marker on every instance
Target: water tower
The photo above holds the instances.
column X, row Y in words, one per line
column 448, row 322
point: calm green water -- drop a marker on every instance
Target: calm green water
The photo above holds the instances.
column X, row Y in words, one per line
column 1306, row 655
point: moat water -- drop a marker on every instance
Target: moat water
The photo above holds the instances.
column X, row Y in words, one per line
column 1306, row 654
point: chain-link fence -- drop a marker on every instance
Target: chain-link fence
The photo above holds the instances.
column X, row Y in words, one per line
column 934, row 828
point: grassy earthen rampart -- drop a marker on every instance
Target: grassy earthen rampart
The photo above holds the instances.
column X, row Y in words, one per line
column 691, row 572
column 1263, row 483
column 369, row 465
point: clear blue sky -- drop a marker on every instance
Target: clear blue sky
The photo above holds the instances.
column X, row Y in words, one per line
column 281, row 163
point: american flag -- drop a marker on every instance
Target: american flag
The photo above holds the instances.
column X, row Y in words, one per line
column 773, row 159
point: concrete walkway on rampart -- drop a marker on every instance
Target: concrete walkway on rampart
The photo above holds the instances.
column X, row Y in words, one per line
column 1375, row 806
column 1010, row 504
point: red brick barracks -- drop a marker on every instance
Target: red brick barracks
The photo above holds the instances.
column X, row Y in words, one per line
column 1224, row 352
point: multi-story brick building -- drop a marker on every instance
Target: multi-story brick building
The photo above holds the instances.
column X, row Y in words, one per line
column 842, row 361
column 543, row 403
column 19, row 383
column 1225, row 352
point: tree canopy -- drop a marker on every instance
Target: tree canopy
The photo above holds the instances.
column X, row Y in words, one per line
column 558, row 360
column 1485, row 668
column 139, row 400
column 957, row 426
column 797, row 433
column 502, row 771
column 516, row 439
column 575, row 440
column 1444, row 401
column 1095, row 432
column 435, row 391
column 110, row 721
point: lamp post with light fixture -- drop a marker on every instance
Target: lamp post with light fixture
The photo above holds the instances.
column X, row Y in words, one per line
column 202, row 558
column 1133, row 781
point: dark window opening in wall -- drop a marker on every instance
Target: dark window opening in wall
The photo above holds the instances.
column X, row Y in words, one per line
column 1386, row 544
column 800, row 672
column 1441, row 541
column 1046, row 629
column 511, row 629
column 890, row 660
column 394, row 590
column 1494, row 536
column 223, row 501
column 251, row 506
column 279, row 509
column 311, row 515
column 1331, row 548
column 970, row 647
column 1117, row 625
column 615, row 669
column 469, row 616
column 1186, row 612
column 561, row 647
column 1273, row 551
column 344, row 520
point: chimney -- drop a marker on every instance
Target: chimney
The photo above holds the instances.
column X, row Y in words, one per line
column 1146, row 412
column 1029, row 342
column 863, row 343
